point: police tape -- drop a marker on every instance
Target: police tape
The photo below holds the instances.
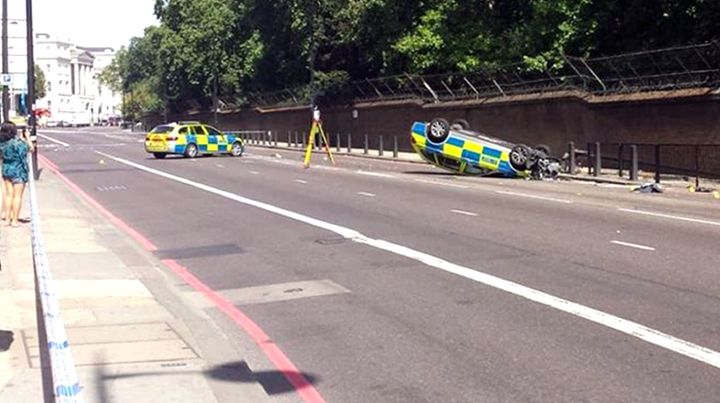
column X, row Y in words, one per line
column 66, row 385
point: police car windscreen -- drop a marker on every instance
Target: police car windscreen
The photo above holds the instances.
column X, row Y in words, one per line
column 162, row 129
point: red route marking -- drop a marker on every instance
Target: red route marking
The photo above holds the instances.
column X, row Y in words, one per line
column 273, row 352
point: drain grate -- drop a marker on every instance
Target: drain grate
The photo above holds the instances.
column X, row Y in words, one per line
column 331, row 241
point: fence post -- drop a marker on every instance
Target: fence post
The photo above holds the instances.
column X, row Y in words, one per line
column 598, row 159
column 337, row 144
column 349, row 143
column 571, row 157
column 381, row 146
column 657, row 163
column 589, row 157
column 395, row 147
column 366, row 144
column 697, row 166
column 621, row 160
column 634, row 166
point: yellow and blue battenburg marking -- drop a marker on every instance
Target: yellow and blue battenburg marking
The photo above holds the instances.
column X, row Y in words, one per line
column 204, row 143
column 463, row 149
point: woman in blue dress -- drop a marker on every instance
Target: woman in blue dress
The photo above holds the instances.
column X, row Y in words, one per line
column 15, row 171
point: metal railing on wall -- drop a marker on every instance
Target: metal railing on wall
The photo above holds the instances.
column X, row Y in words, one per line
column 663, row 69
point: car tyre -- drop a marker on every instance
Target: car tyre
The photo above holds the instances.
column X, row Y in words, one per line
column 438, row 130
column 159, row 155
column 237, row 149
column 191, row 151
column 460, row 124
column 519, row 157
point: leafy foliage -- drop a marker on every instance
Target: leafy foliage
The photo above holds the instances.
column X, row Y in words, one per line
column 244, row 46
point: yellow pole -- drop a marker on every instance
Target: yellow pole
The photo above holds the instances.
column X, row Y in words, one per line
column 324, row 138
column 310, row 143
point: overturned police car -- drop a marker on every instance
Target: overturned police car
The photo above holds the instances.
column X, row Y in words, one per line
column 457, row 148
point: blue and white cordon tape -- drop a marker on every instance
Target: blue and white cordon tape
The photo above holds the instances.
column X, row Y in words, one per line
column 66, row 384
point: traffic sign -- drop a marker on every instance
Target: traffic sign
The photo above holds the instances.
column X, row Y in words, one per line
column 6, row 80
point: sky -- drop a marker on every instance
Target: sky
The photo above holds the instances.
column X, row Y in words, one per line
column 89, row 23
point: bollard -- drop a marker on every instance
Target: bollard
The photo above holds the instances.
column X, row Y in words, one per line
column 297, row 141
column 288, row 142
column 621, row 160
column 589, row 156
column 380, row 146
column 303, row 142
column 634, row 163
column 337, row 142
column 349, row 143
column 571, row 156
column 697, row 166
column 366, row 144
column 657, row 163
column 395, row 147
column 598, row 159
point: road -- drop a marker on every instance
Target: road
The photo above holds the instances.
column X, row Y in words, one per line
column 423, row 287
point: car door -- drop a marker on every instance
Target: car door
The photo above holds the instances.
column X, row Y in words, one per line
column 201, row 137
column 216, row 137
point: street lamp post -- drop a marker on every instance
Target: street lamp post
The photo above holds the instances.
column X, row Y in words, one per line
column 5, row 92
column 32, row 124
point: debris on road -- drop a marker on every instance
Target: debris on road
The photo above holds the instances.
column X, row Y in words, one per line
column 648, row 188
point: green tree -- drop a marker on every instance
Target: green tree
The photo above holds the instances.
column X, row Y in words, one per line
column 40, row 83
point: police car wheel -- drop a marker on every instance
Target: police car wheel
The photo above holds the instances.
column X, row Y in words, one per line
column 237, row 149
column 519, row 157
column 159, row 155
column 191, row 151
column 438, row 130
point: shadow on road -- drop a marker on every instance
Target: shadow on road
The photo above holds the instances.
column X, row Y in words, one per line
column 274, row 382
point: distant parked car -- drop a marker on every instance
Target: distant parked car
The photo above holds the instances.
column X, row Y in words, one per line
column 191, row 139
column 459, row 149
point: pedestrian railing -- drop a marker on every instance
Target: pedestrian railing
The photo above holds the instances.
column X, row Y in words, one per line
column 65, row 383
column 685, row 160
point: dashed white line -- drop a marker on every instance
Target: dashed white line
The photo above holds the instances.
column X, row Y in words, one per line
column 672, row 217
column 529, row 196
column 301, row 181
column 630, row 328
column 366, row 194
column 377, row 174
column 56, row 141
column 452, row 185
column 633, row 245
column 254, row 172
column 220, row 165
column 463, row 212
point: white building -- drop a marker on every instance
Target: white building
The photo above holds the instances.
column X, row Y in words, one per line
column 74, row 94
column 17, row 66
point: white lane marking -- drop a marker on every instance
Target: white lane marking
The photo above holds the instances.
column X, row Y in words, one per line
column 463, row 212
column 300, row 181
column 452, row 185
column 366, row 194
column 220, row 165
column 660, row 339
column 361, row 172
column 672, row 217
column 633, row 245
column 529, row 196
column 254, row 172
column 56, row 141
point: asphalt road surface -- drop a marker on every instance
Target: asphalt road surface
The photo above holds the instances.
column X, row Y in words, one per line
column 419, row 286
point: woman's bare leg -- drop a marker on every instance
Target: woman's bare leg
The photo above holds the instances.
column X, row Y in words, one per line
column 18, row 189
column 6, row 199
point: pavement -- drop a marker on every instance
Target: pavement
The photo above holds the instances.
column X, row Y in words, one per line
column 128, row 324
column 397, row 282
